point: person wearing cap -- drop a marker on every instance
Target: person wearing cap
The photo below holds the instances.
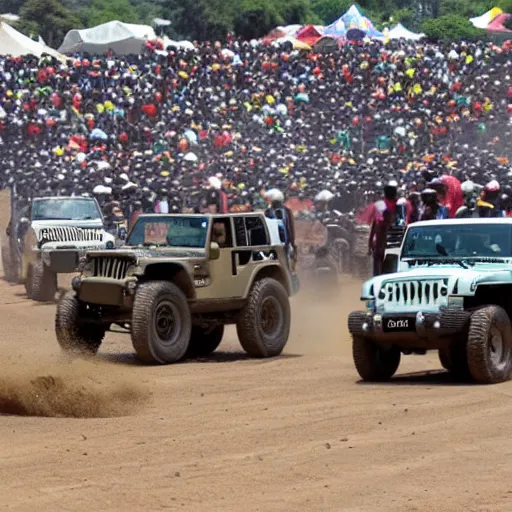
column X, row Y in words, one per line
column 489, row 203
column 432, row 209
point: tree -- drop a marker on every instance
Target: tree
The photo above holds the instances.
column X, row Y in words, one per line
column 49, row 19
column 451, row 27
column 103, row 11
column 256, row 19
column 406, row 17
column 200, row 19
column 330, row 10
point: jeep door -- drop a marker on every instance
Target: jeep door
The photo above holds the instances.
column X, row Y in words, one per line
column 246, row 248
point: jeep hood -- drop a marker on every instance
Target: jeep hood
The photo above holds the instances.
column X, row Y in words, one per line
column 153, row 252
column 467, row 280
column 37, row 225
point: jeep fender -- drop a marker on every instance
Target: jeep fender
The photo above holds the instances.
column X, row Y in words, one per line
column 274, row 271
column 175, row 272
column 469, row 287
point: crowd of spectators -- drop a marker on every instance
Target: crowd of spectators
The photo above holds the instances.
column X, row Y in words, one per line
column 184, row 126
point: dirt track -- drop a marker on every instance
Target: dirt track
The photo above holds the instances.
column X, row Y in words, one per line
column 297, row 433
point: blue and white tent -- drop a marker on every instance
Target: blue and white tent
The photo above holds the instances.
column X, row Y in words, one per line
column 353, row 22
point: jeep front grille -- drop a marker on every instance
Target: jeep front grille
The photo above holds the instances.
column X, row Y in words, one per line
column 420, row 293
column 114, row 268
column 70, row 234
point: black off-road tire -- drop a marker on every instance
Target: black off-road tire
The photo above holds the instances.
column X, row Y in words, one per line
column 445, row 359
column 74, row 334
column 160, row 305
column 373, row 362
column 41, row 282
column 268, row 298
column 489, row 345
column 454, row 360
column 204, row 342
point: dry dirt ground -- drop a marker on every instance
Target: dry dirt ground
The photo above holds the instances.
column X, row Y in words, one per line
column 296, row 433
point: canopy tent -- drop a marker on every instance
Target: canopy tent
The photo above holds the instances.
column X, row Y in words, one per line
column 16, row 44
column 350, row 23
column 290, row 30
column 326, row 44
column 400, row 32
column 296, row 44
column 309, row 34
column 486, row 18
column 120, row 38
column 497, row 24
column 277, row 33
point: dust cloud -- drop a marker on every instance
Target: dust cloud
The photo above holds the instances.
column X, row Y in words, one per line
column 62, row 388
column 319, row 317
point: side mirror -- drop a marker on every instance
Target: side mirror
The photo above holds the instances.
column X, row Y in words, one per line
column 214, row 251
column 8, row 231
column 122, row 233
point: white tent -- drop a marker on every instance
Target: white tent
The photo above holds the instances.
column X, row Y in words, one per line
column 183, row 45
column 400, row 32
column 121, row 38
column 16, row 44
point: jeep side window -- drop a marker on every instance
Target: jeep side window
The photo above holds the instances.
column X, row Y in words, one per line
column 256, row 231
column 240, row 232
column 221, row 232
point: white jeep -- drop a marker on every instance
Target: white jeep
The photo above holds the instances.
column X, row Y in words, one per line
column 452, row 292
column 48, row 237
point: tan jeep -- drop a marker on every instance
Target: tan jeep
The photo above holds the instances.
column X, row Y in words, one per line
column 175, row 284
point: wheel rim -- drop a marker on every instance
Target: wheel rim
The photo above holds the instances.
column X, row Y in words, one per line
column 166, row 323
column 271, row 317
column 496, row 347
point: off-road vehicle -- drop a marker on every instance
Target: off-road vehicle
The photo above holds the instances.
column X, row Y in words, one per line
column 47, row 237
column 177, row 282
column 452, row 293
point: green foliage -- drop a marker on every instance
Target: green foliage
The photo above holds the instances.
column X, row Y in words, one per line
column 451, row 27
column 49, row 19
column 256, row 19
column 103, row 11
column 504, row 5
column 213, row 19
column 465, row 8
column 330, row 10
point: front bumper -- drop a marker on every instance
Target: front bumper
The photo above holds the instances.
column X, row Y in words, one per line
column 411, row 330
column 65, row 260
column 104, row 291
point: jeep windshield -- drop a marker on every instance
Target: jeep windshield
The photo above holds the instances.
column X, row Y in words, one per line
column 482, row 242
column 169, row 231
column 65, row 209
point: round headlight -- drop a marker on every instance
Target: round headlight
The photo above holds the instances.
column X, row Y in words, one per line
column 109, row 245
